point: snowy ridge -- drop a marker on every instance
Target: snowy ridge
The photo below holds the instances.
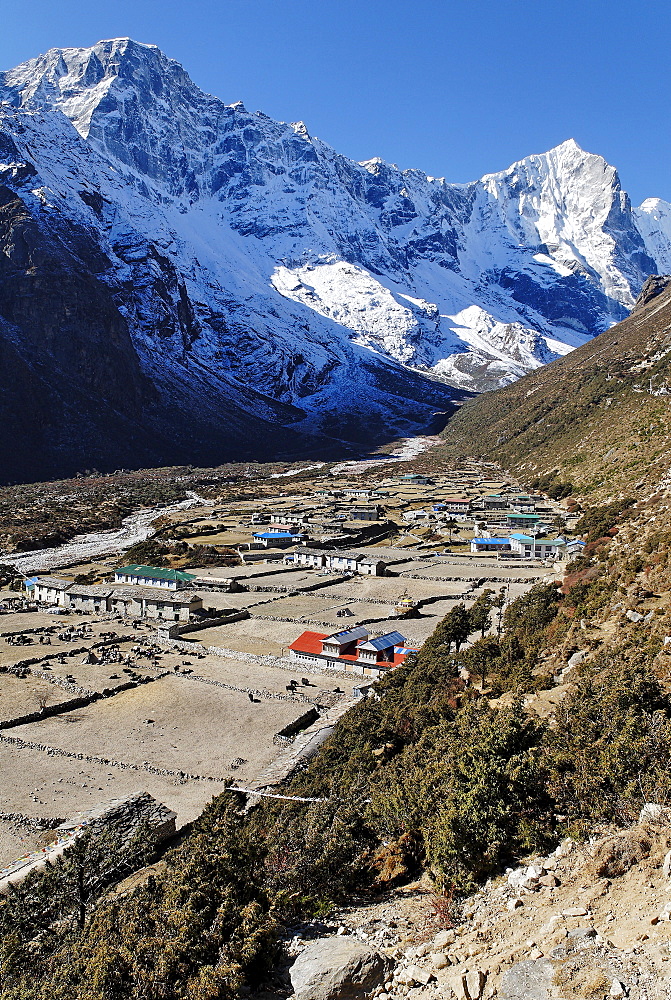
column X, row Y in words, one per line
column 248, row 257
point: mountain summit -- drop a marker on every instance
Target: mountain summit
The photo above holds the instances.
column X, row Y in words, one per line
column 237, row 276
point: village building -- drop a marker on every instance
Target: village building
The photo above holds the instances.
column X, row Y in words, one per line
column 353, row 650
column 146, row 602
column 490, row 545
column 370, row 566
column 152, row 576
column 371, row 513
column 278, row 539
column 522, row 504
column 494, row 501
column 514, row 520
column 416, row 479
column 336, row 562
column 343, row 562
column 93, row 597
column 49, row 590
column 132, row 601
column 536, row 548
column 456, row 505
column 308, row 558
column 357, row 492
column 417, row 515
column 281, row 518
column 574, row 547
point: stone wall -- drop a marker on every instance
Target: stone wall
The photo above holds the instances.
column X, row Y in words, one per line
column 183, row 776
column 83, row 699
column 174, row 631
column 302, row 722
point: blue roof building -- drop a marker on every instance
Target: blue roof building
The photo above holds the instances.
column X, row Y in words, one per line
column 278, row 538
column 490, row 545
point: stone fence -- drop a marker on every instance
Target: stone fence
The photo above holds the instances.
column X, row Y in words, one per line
column 257, row 693
column 84, row 699
column 302, row 722
column 173, row 631
column 33, row 822
column 266, row 660
column 183, row 776
column 480, row 582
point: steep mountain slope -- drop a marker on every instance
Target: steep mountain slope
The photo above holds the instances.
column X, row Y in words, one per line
column 261, row 281
column 599, row 418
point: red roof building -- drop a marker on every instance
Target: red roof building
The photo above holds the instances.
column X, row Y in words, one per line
column 352, row 650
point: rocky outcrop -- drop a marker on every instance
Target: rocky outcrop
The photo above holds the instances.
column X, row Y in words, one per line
column 653, row 286
column 587, row 920
column 337, row 968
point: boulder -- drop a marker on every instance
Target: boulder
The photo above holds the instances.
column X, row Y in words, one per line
column 415, row 976
column 439, row 960
column 457, row 986
column 475, row 983
column 443, row 939
column 530, row 980
column 467, row 985
column 574, row 911
column 338, row 968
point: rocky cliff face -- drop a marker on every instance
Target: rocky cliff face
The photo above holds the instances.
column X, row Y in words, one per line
column 242, row 276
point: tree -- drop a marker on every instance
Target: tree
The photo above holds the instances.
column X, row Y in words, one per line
column 456, row 626
column 452, row 525
column 480, row 655
column 480, row 611
column 64, row 892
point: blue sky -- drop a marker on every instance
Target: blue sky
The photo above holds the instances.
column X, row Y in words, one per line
column 457, row 88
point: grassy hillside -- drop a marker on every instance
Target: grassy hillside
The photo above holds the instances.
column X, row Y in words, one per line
column 434, row 776
column 588, row 418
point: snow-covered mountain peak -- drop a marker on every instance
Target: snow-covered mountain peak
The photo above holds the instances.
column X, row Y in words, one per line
column 654, row 221
column 100, row 81
column 243, row 249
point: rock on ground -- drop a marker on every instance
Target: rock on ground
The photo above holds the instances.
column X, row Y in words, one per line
column 337, row 968
column 527, row 981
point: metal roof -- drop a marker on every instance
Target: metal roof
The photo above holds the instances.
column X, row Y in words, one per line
column 54, row 582
column 155, row 572
column 493, row 541
column 385, row 641
column 277, row 534
column 90, row 590
column 349, row 635
column 136, row 593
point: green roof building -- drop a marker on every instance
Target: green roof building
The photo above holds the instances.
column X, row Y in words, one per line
column 153, row 576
